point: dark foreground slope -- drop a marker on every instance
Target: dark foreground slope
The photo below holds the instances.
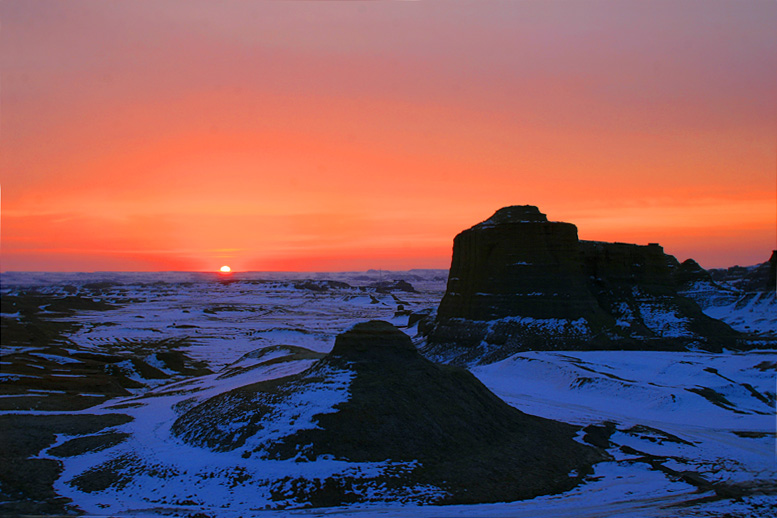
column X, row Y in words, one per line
column 520, row 282
column 459, row 436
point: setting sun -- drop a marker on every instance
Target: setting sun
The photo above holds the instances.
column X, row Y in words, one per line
column 225, row 269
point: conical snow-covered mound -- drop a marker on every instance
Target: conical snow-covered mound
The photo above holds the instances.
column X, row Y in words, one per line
column 375, row 399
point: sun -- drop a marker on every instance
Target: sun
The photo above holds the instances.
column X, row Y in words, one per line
column 225, row 269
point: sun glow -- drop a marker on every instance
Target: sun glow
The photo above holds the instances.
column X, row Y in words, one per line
column 225, row 269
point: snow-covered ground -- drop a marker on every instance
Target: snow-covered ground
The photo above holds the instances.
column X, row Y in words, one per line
column 747, row 312
column 683, row 425
column 224, row 317
column 712, row 414
column 657, row 419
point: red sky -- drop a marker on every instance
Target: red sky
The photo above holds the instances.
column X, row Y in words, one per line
column 156, row 135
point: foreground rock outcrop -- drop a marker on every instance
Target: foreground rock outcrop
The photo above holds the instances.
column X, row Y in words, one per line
column 438, row 432
column 520, row 282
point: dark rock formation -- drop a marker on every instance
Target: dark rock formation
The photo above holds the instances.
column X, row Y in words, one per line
column 517, row 263
column 321, row 285
column 760, row 277
column 772, row 279
column 457, row 435
column 389, row 286
column 743, row 297
column 627, row 265
column 520, row 282
column 689, row 272
column 370, row 341
column 418, row 316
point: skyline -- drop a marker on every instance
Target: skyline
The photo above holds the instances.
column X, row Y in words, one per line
column 325, row 136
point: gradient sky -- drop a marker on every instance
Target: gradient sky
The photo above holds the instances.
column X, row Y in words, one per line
column 344, row 135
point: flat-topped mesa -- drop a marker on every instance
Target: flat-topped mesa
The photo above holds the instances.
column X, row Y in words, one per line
column 520, row 282
column 517, row 263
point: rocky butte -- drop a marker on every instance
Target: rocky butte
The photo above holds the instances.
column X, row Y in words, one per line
column 520, row 282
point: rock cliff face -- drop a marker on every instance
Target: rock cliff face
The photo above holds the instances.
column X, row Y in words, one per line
column 520, row 282
column 626, row 265
column 517, row 263
column 434, row 427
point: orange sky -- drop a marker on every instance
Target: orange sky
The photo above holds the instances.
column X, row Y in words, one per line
column 159, row 135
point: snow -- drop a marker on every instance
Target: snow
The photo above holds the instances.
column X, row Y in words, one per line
column 55, row 358
column 748, row 312
column 614, row 490
column 299, row 410
column 697, row 412
column 754, row 313
column 665, row 322
column 545, row 325
column 166, row 472
column 155, row 362
column 633, row 389
column 4, row 376
column 223, row 321
column 653, row 389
